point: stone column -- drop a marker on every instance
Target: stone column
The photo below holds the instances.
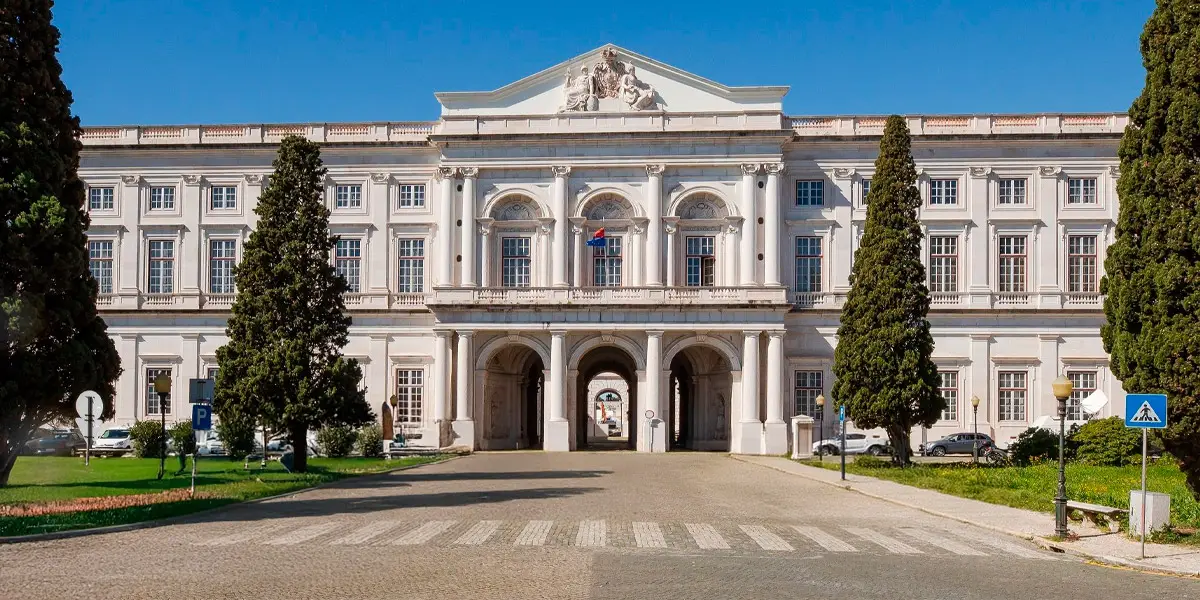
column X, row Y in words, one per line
column 749, row 434
column 654, row 440
column 485, row 252
column 559, row 248
column 654, row 210
column 671, row 225
column 445, row 229
column 557, row 430
column 577, row 260
column 464, row 410
column 775, row 439
column 441, row 385
column 469, row 175
column 771, row 223
column 749, row 225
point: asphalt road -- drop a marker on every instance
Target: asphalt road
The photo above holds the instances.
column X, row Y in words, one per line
column 580, row 525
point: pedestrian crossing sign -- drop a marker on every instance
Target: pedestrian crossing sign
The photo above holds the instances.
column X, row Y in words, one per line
column 1146, row 411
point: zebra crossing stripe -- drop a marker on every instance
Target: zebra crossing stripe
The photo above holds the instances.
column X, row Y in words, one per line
column 994, row 541
column 592, row 533
column 892, row 545
column 478, row 533
column 244, row 535
column 303, row 534
column 765, row 539
column 934, row 539
column 366, row 533
column 648, row 535
column 534, row 534
column 823, row 539
column 423, row 533
column 706, row 536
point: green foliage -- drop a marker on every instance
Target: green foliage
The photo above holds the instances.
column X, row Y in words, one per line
column 283, row 364
column 1034, row 445
column 1152, row 282
column 147, row 438
column 883, row 372
column 336, row 441
column 183, row 438
column 237, row 435
column 53, row 345
column 1107, row 442
column 370, row 441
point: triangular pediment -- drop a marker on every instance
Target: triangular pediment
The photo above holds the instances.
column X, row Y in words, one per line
column 610, row 80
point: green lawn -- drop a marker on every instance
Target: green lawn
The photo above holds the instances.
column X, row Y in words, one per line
column 46, row 479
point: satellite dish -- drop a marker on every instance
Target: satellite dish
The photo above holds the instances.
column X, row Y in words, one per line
column 1094, row 403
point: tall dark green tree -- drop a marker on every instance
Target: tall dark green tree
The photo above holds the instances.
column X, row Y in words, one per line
column 882, row 367
column 53, row 345
column 283, row 365
column 1152, row 282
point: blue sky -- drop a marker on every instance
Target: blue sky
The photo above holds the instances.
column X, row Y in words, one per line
column 239, row 61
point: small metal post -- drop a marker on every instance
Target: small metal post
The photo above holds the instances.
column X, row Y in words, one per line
column 162, row 455
column 195, row 455
column 820, row 439
column 87, row 448
column 1144, row 493
column 843, row 453
column 1060, row 499
column 975, row 442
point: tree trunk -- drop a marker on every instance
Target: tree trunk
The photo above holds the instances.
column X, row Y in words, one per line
column 300, row 448
column 901, row 439
column 7, row 461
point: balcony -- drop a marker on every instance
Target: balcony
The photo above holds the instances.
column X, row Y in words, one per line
column 946, row 299
column 1012, row 300
column 812, row 300
column 161, row 300
column 1083, row 300
column 218, row 301
column 607, row 296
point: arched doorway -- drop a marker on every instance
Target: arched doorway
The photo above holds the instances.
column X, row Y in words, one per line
column 699, row 400
column 607, row 365
column 512, row 400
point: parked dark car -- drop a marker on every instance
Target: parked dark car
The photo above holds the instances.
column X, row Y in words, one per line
column 958, row 443
column 59, row 442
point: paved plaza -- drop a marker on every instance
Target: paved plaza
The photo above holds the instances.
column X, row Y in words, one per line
column 580, row 525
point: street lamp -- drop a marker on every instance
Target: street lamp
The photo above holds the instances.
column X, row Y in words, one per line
column 1062, row 390
column 820, row 429
column 975, row 447
column 162, row 387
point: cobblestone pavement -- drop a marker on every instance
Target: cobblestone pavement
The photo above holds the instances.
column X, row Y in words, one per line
column 580, row 525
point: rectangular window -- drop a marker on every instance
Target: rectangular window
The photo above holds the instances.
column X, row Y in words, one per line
column 808, row 264
column 212, row 373
column 949, row 389
column 1081, row 191
column 1012, row 264
column 162, row 198
column 1081, row 264
column 410, row 393
column 347, row 261
column 515, row 262
column 153, row 405
column 1012, row 191
column 100, row 262
column 100, row 198
column 943, row 263
column 411, row 267
column 866, row 191
column 700, row 261
column 161, row 268
column 223, row 197
column 943, row 192
column 810, row 192
column 808, row 387
column 607, row 263
column 347, row 196
column 1012, row 395
column 1083, row 384
column 412, row 195
column 221, row 255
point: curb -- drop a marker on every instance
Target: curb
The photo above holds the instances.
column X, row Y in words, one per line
column 73, row 533
column 1042, row 543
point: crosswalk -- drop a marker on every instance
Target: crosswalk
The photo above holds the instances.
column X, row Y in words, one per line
column 771, row 538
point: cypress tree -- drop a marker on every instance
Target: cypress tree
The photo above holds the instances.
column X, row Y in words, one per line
column 283, row 364
column 883, row 373
column 53, row 345
column 1152, row 281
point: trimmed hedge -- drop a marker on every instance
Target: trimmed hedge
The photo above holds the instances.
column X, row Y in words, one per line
column 147, row 438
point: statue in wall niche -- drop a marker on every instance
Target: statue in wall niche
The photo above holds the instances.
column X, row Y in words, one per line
column 580, row 92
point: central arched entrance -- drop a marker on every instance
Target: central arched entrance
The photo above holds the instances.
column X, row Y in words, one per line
column 513, row 390
column 699, row 400
column 602, row 367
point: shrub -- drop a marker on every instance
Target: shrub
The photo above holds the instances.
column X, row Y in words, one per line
column 1033, row 445
column 147, row 438
column 871, row 462
column 336, row 441
column 237, row 435
column 183, row 437
column 370, row 441
column 1108, row 442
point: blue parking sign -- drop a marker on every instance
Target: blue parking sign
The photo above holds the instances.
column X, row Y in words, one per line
column 1146, row 411
column 842, row 413
column 201, row 417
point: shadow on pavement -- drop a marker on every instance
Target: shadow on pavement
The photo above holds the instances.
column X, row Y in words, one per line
column 414, row 476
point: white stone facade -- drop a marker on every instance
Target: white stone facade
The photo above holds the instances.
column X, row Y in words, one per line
column 731, row 231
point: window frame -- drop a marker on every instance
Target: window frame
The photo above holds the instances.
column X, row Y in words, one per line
column 864, row 189
column 814, row 189
column 817, row 259
column 1001, row 389
column 150, row 260
column 352, row 264
column 111, row 259
column 1071, row 257
column 1013, row 181
column 153, row 397
column 522, row 276
column 212, row 264
column 605, row 265
column 415, row 203
column 707, row 265
column 174, row 197
column 350, row 197
column 946, row 182
column 111, row 198
column 415, row 270
column 1095, row 195
column 951, row 412
column 1075, row 401
column 1001, row 256
column 955, row 264
column 414, row 408
column 810, row 401
column 228, row 203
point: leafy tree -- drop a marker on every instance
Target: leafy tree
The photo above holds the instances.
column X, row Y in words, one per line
column 1035, row 444
column 882, row 367
column 237, row 435
column 337, row 441
column 53, row 345
column 1107, row 442
column 148, row 438
column 1152, row 282
column 283, row 364
column 370, row 441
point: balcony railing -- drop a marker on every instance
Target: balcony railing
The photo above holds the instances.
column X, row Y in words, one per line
column 105, row 299
column 161, row 300
column 1083, row 300
column 218, row 301
column 1012, row 299
column 409, row 300
column 810, row 299
column 609, row 295
column 945, row 299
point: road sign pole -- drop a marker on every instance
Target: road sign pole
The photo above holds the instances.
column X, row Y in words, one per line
column 87, row 448
column 1143, row 528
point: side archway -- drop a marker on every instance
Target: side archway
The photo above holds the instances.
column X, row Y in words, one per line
column 731, row 353
column 494, row 345
column 632, row 348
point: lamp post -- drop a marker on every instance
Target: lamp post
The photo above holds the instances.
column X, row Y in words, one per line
column 1062, row 390
column 162, row 387
column 820, row 429
column 975, row 446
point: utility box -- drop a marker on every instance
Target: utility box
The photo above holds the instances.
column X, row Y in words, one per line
column 802, row 432
column 1158, row 511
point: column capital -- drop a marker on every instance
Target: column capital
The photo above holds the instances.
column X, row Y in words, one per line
column 980, row 172
column 131, row 179
column 750, row 168
column 254, row 178
column 469, row 172
column 466, row 334
column 639, row 225
column 777, row 333
column 444, row 173
column 1049, row 171
column 546, row 225
column 670, row 224
column 655, row 170
column 380, row 177
column 844, row 173
column 733, row 224
column 654, row 333
column 751, row 333
column 560, row 171
column 775, row 168
column 192, row 179
column 442, row 333
column 485, row 225
column 558, row 333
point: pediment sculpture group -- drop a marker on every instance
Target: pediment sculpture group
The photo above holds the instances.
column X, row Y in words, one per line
column 608, row 78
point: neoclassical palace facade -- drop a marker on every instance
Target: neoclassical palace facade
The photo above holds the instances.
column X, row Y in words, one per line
column 481, row 315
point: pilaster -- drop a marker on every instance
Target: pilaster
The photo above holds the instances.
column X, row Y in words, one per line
column 749, row 242
column 468, row 232
column 378, row 244
column 191, row 253
column 445, row 228
column 772, row 209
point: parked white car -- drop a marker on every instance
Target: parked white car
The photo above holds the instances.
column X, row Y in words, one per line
column 856, row 443
column 114, row 440
column 211, row 446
